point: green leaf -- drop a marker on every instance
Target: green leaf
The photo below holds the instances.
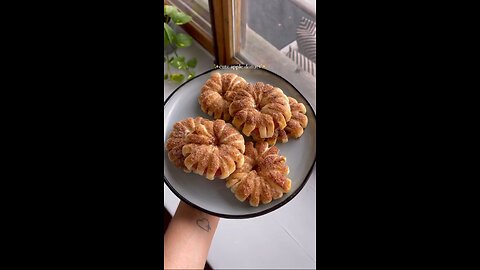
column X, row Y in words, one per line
column 165, row 77
column 169, row 10
column 169, row 33
column 178, row 62
column 177, row 77
column 180, row 18
column 191, row 74
column 182, row 40
column 192, row 63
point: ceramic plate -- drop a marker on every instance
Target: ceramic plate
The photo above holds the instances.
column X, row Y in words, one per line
column 213, row 196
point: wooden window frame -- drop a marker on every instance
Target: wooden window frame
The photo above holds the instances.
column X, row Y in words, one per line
column 223, row 42
column 226, row 42
column 228, row 24
column 194, row 29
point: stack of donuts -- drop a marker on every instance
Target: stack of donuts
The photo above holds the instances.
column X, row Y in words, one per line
column 253, row 170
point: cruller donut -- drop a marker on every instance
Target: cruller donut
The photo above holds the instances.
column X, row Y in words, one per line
column 294, row 128
column 263, row 176
column 260, row 107
column 218, row 92
column 209, row 148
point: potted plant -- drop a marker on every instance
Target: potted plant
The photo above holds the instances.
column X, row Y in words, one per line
column 178, row 68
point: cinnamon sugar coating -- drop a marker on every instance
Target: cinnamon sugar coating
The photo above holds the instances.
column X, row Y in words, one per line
column 209, row 148
column 294, row 128
column 263, row 176
column 260, row 107
column 218, row 93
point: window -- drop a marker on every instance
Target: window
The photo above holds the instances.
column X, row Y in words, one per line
column 279, row 35
column 200, row 27
column 284, row 26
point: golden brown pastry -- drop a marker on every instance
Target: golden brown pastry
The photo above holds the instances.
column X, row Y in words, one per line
column 210, row 148
column 263, row 176
column 279, row 135
column 218, row 92
column 294, row 128
column 260, row 107
column 299, row 120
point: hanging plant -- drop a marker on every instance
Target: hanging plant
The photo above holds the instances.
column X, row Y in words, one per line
column 178, row 68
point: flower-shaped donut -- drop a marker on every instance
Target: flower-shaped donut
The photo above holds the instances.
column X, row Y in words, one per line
column 294, row 128
column 210, row 148
column 260, row 107
column 263, row 176
column 218, row 92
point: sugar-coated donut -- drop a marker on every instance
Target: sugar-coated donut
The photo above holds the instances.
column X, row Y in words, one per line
column 218, row 92
column 209, row 148
column 263, row 176
column 260, row 107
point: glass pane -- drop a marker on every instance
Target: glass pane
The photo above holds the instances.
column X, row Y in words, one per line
column 280, row 35
column 199, row 10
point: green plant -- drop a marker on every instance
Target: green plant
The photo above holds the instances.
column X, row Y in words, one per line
column 176, row 40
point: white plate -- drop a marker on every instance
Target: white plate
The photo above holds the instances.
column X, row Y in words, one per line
column 213, row 196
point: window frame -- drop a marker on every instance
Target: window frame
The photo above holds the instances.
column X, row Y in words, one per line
column 228, row 24
column 223, row 16
column 193, row 28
